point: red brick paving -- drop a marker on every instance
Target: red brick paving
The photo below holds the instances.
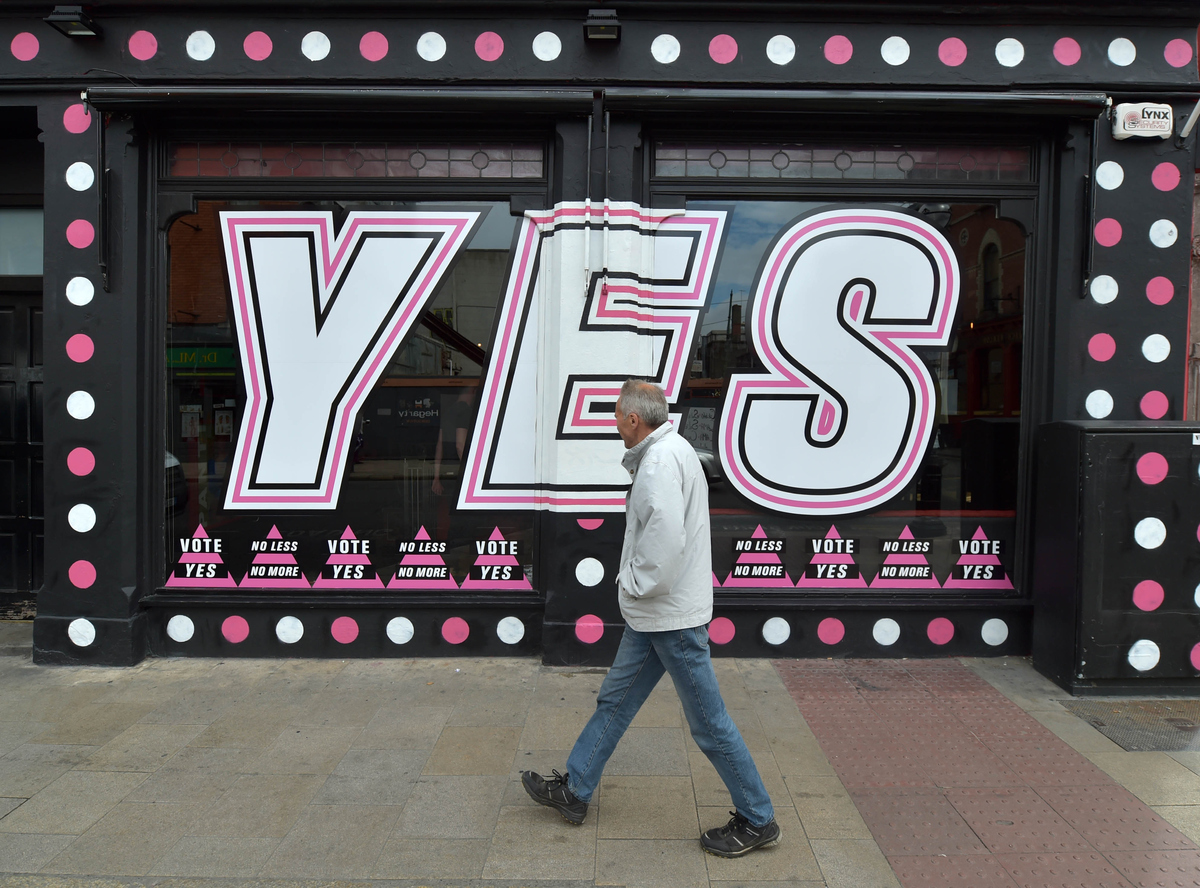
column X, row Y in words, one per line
column 961, row 787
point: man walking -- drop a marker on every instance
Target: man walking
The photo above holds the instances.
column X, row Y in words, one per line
column 665, row 590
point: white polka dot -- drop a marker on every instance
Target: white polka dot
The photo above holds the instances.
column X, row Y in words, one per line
column 80, row 291
column 1122, row 52
column 665, row 49
column 1010, row 52
column 400, row 630
column 547, row 47
column 80, row 405
column 589, row 571
column 289, row 630
column 510, row 630
column 776, row 631
column 82, row 517
column 180, row 628
column 894, row 50
column 1144, row 654
column 1150, row 533
column 201, row 46
column 315, row 46
column 80, row 176
column 1104, row 289
column 81, row 632
column 1196, row 595
column 781, row 49
column 1156, row 348
column 994, row 632
column 1163, row 233
column 431, row 46
column 886, row 631
column 1110, row 175
column 1098, row 404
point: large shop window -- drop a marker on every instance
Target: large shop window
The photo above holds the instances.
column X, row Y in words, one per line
column 952, row 528
column 315, row 429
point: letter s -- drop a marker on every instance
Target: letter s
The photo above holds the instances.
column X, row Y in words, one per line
column 841, row 419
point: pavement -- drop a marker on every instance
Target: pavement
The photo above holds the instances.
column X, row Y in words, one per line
column 200, row 773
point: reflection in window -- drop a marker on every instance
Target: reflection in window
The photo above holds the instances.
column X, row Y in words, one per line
column 968, row 476
column 410, row 435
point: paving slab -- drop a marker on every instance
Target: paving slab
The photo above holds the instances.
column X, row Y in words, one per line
column 333, row 841
column 258, row 805
column 473, row 750
column 536, row 843
column 640, row 863
column 125, row 841
column 72, row 803
column 211, row 857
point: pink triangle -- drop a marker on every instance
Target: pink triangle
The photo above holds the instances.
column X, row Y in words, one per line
column 496, row 535
column 200, row 534
column 979, row 534
column 758, row 534
column 833, row 533
column 422, row 534
column 906, row 534
column 274, row 534
column 348, row 534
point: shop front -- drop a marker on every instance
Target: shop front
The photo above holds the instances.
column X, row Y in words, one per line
column 337, row 315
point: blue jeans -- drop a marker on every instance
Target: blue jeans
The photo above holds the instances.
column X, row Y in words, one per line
column 641, row 660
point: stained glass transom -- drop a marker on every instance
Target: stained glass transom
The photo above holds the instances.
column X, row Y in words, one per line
column 800, row 161
column 508, row 160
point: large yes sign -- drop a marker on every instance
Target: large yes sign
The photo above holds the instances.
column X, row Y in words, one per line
column 841, row 419
column 317, row 319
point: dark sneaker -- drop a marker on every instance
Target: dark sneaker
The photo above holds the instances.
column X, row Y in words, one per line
column 553, row 793
column 738, row 837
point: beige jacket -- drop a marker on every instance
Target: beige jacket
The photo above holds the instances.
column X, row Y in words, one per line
column 665, row 579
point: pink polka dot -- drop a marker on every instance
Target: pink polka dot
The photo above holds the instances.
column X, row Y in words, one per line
column 82, row 574
column 589, row 628
column 143, row 45
column 1108, row 232
column 489, row 46
column 80, row 348
column 590, row 523
column 952, row 52
column 257, row 46
column 1067, row 51
column 1102, row 347
column 24, row 47
column 1196, row 657
column 77, row 118
column 1148, row 595
column 940, row 630
column 1165, row 176
column 722, row 49
column 235, row 629
column 1178, row 53
column 80, row 234
column 838, row 49
column 344, row 630
column 1160, row 291
column 455, row 630
column 1152, row 467
column 81, row 461
column 1154, row 405
column 721, row 630
column 830, row 630
column 373, row 46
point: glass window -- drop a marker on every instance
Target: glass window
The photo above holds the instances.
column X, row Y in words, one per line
column 395, row 520
column 20, row 241
column 958, row 513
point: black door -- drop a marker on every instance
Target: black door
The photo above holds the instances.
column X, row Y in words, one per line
column 21, row 522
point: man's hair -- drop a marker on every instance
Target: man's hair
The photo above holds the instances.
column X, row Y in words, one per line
column 645, row 399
